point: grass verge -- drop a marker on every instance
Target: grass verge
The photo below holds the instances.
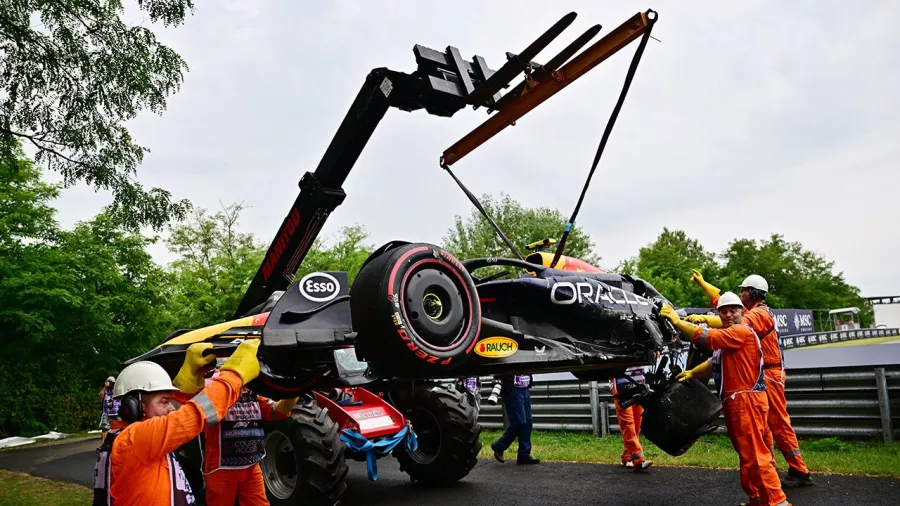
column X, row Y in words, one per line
column 826, row 455
column 19, row 489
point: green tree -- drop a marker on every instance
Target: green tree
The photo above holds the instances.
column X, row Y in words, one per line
column 71, row 75
column 666, row 263
column 347, row 253
column 215, row 266
column 73, row 305
column 474, row 236
column 797, row 277
column 25, row 210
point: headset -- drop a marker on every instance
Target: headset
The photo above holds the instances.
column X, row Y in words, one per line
column 130, row 408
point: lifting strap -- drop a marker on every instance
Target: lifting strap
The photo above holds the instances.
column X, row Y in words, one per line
column 372, row 450
column 609, row 126
column 484, row 213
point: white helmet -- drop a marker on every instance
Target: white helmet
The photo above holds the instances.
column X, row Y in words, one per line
column 729, row 299
column 144, row 376
column 755, row 281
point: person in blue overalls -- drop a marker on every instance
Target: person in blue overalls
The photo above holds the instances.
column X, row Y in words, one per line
column 516, row 396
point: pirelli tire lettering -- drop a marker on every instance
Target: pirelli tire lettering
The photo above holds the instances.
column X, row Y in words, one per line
column 419, row 352
column 416, row 310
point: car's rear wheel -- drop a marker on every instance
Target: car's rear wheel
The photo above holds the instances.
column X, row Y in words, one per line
column 416, row 311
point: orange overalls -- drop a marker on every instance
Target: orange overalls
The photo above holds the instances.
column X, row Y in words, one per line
column 762, row 321
column 233, row 449
column 629, row 418
column 737, row 368
column 142, row 469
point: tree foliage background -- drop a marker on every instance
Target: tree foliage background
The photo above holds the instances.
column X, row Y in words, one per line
column 214, row 265
column 76, row 303
column 71, row 75
column 474, row 237
column 73, row 305
column 798, row 278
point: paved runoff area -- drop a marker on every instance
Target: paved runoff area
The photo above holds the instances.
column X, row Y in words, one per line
column 492, row 483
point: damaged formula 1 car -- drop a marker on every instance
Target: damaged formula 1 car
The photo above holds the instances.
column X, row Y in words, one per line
column 370, row 361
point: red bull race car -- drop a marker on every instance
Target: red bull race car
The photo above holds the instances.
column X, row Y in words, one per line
column 376, row 363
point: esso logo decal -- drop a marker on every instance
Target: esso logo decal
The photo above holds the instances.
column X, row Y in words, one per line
column 319, row 287
column 496, row 347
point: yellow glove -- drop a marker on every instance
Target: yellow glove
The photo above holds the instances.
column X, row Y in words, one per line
column 711, row 320
column 243, row 361
column 709, row 290
column 285, row 406
column 687, row 329
column 189, row 378
column 668, row 311
column 702, row 371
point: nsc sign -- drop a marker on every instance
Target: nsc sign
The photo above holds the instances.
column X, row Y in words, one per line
column 789, row 322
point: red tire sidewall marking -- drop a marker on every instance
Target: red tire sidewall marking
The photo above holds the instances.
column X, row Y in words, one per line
column 397, row 267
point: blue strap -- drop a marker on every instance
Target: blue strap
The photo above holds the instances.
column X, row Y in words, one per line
column 359, row 443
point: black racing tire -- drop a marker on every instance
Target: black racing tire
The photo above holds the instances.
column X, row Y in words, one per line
column 446, row 425
column 304, row 461
column 415, row 310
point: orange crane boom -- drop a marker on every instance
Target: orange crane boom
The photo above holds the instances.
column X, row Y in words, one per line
column 538, row 91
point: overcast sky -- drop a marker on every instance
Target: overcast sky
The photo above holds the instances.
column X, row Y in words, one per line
column 750, row 118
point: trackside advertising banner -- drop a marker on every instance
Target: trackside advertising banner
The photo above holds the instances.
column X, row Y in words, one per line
column 794, row 321
column 788, row 321
column 801, row 340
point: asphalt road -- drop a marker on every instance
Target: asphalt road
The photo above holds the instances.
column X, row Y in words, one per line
column 492, row 483
column 844, row 356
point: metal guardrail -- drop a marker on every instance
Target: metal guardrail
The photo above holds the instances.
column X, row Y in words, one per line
column 846, row 402
column 834, row 336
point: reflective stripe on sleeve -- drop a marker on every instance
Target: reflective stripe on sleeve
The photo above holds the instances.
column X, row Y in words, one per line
column 704, row 336
column 206, row 405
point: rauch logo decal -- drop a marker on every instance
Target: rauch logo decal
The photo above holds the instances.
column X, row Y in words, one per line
column 496, row 347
